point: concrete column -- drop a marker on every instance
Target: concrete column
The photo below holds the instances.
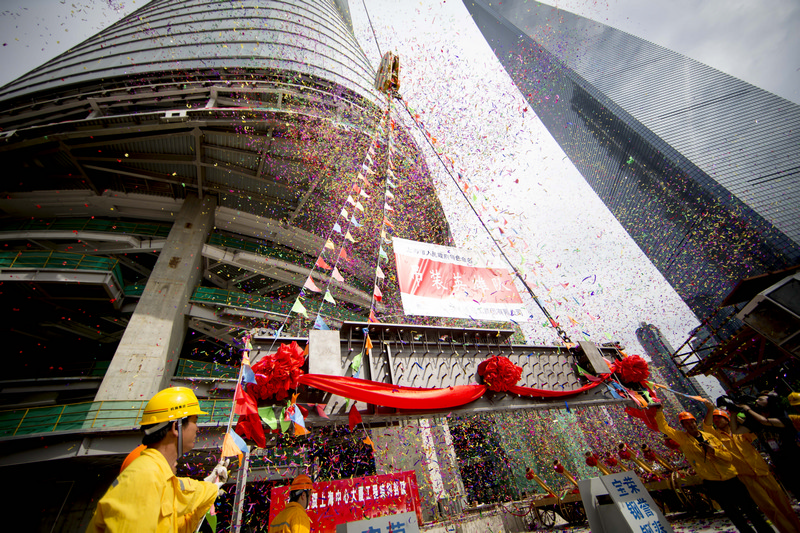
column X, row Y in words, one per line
column 148, row 353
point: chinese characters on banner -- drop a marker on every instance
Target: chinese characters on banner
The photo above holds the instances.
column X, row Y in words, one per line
column 442, row 281
column 635, row 503
column 351, row 500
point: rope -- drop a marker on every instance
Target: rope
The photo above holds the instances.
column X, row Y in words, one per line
column 559, row 330
column 380, row 55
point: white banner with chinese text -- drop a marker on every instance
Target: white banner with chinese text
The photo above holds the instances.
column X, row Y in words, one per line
column 443, row 281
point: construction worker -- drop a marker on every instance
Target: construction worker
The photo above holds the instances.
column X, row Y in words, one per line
column 776, row 431
column 293, row 518
column 753, row 470
column 714, row 464
column 147, row 495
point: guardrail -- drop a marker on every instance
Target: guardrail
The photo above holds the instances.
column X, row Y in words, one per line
column 246, row 301
column 106, row 226
column 110, row 414
column 40, row 260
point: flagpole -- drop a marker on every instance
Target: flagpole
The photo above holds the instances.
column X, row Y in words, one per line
column 238, row 381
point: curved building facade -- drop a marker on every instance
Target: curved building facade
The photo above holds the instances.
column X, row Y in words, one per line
column 167, row 184
column 699, row 167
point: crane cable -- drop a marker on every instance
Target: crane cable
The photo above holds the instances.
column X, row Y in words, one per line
column 559, row 330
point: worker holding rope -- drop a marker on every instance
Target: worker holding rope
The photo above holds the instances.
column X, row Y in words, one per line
column 752, row 470
column 148, row 495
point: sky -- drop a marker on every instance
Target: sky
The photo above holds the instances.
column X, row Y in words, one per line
column 571, row 250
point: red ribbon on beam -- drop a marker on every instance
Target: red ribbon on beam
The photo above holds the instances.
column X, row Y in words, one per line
column 388, row 395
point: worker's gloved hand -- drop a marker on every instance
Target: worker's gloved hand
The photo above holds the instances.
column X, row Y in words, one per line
column 220, row 473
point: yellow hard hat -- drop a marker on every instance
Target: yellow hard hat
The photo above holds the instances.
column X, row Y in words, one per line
column 171, row 404
column 794, row 398
column 301, row 482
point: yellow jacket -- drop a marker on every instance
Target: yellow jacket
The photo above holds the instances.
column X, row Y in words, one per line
column 147, row 496
column 717, row 467
column 293, row 519
column 746, row 459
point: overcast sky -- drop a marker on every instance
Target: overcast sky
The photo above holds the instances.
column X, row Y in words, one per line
column 755, row 40
column 574, row 254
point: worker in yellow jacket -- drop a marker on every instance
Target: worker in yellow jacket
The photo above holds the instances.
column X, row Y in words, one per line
column 293, row 518
column 714, row 464
column 147, row 496
column 753, row 470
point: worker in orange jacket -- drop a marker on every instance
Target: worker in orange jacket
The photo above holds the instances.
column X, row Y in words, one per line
column 752, row 470
column 714, row 464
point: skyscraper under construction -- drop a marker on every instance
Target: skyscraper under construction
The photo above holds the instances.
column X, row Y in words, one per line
column 166, row 183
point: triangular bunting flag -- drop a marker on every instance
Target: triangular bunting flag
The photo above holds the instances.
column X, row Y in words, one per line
column 299, row 308
column 329, row 245
column 247, row 372
column 369, row 441
column 233, row 446
column 363, row 194
column 389, row 194
column 322, row 264
column 387, row 207
column 337, row 228
column 310, row 285
column 377, row 294
column 389, row 171
column 335, row 275
column 285, row 425
column 329, row 298
column 319, row 323
column 379, row 273
column 297, row 417
column 391, row 183
column 362, row 178
column 344, row 213
column 388, row 222
column 343, row 254
column 267, row 414
column 369, row 159
column 354, row 417
column 354, row 222
column 350, row 200
column 211, row 516
column 372, row 317
column 349, row 237
column 300, row 430
column 356, row 364
column 381, row 253
column 368, row 344
column 359, row 207
column 321, row 410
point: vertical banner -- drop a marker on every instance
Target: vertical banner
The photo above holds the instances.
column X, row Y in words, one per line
column 442, row 281
column 350, row 500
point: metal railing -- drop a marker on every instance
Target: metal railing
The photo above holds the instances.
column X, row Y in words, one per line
column 93, row 416
column 200, row 369
column 38, row 260
column 74, row 224
column 246, row 301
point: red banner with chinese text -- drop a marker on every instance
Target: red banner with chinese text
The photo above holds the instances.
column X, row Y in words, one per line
column 442, row 281
column 349, row 500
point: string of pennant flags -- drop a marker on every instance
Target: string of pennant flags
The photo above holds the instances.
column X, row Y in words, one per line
column 347, row 222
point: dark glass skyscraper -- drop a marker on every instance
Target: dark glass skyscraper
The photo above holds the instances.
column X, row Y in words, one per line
column 700, row 168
